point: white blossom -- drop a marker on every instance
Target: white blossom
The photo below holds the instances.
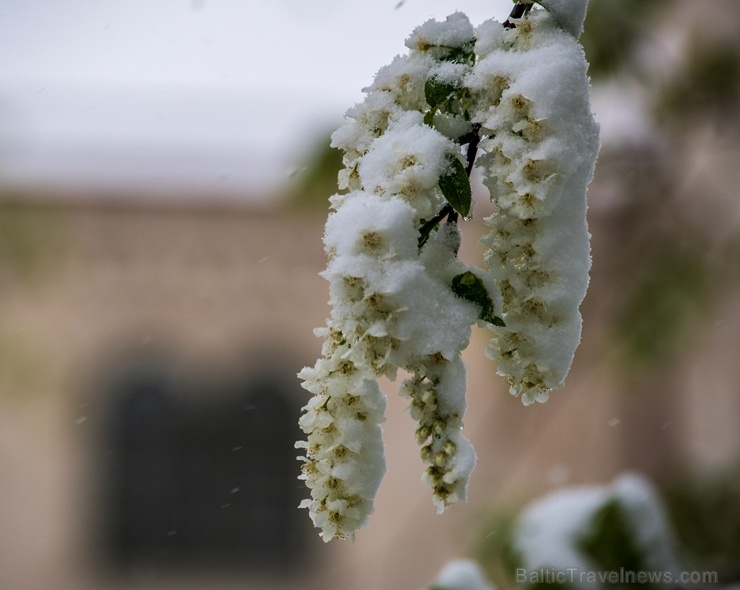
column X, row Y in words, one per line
column 539, row 156
column 437, row 393
column 407, row 161
column 344, row 460
column 434, row 36
column 400, row 297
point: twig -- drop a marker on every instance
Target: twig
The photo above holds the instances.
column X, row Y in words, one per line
column 426, row 229
column 472, row 138
column 519, row 10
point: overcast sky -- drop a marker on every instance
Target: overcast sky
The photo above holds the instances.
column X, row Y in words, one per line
column 218, row 95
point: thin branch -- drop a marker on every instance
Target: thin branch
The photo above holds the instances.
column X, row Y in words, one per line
column 519, row 10
column 472, row 138
column 426, row 229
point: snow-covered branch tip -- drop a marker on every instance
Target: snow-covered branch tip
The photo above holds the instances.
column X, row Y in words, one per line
column 512, row 100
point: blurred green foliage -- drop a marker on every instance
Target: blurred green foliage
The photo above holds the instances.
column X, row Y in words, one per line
column 19, row 363
column 706, row 86
column 705, row 513
column 31, row 239
column 702, row 514
column 667, row 275
column 494, row 549
column 669, row 293
column 32, row 245
column 612, row 29
column 316, row 181
column 611, row 543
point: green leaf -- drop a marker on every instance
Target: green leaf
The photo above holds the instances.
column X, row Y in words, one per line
column 469, row 285
column 494, row 319
column 436, row 91
column 612, row 542
column 455, row 186
column 461, row 55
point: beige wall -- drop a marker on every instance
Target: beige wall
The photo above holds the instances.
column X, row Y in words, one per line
column 210, row 286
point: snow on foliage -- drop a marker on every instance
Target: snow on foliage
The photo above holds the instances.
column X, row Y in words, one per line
column 401, row 299
column 552, row 533
column 461, row 574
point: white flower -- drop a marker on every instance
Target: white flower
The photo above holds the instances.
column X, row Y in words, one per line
column 399, row 295
column 407, row 161
column 403, row 81
column 344, row 460
column 538, row 161
column 456, row 31
column 437, row 393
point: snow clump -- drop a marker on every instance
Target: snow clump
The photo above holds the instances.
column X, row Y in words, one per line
column 461, row 574
column 552, row 533
column 400, row 297
column 540, row 145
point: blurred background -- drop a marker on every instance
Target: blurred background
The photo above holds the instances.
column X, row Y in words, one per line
column 164, row 169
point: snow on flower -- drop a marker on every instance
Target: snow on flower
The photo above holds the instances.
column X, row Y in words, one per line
column 344, row 460
column 539, row 153
column 400, row 297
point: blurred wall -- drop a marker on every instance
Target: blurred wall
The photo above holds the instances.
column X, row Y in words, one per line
column 217, row 298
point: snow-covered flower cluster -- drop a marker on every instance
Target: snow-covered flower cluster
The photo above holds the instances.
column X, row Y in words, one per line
column 386, row 309
column 540, row 144
column 400, row 297
column 344, row 460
